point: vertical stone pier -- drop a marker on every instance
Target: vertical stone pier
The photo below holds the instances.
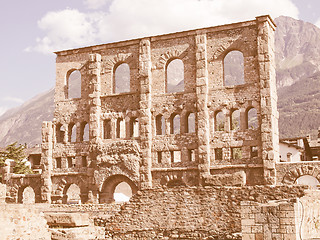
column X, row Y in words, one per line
column 268, row 98
column 145, row 112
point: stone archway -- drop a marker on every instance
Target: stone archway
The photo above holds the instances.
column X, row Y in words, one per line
column 26, row 195
column 307, row 180
column 72, row 194
column 109, row 187
column 293, row 175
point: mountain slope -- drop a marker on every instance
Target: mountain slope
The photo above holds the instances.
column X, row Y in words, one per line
column 297, row 50
column 299, row 107
column 23, row 124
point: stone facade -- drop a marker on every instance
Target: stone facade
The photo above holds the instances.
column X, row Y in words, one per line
column 142, row 136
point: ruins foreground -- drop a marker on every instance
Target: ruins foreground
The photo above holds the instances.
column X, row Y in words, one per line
column 199, row 154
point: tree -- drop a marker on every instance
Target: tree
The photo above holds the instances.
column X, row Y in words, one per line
column 16, row 153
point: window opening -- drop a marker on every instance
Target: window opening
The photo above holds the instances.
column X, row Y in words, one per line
column 191, row 123
column 160, row 125
column 235, row 120
column 175, row 76
column 74, row 84
column 122, row 78
column 219, row 121
column 233, row 68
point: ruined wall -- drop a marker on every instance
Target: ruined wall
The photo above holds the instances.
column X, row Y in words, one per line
column 22, row 222
column 190, row 213
column 273, row 220
column 146, row 130
column 288, row 173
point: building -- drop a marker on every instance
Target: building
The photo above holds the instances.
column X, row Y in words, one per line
column 189, row 108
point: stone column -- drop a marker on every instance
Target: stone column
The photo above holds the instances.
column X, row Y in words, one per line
column 46, row 161
column 202, row 105
column 94, row 70
column 145, row 112
column 268, row 102
column 94, row 95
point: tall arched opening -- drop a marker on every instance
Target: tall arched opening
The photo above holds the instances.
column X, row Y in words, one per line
column 117, row 188
column 26, row 195
column 72, row 194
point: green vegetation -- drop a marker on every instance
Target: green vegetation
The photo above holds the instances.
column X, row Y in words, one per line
column 299, row 108
column 16, row 153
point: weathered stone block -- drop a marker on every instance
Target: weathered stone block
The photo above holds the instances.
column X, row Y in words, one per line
column 67, row 219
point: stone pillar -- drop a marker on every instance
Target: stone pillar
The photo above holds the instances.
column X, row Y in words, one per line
column 46, row 161
column 202, row 105
column 268, row 98
column 94, row 95
column 145, row 112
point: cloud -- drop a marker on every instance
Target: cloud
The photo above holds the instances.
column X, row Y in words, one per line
column 95, row 4
column 126, row 19
column 13, row 99
column 66, row 29
column 3, row 110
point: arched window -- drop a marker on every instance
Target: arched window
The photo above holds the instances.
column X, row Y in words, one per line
column 233, row 69
column 252, row 118
column 72, row 129
column 26, row 195
column 74, row 84
column 84, row 131
column 121, row 78
column 235, row 120
column 219, row 121
column 134, row 127
column 175, row 76
column 307, row 180
column 191, row 123
column 107, row 129
column 120, row 128
column 160, row 125
column 72, row 195
column 60, row 131
column 117, row 188
column 175, row 124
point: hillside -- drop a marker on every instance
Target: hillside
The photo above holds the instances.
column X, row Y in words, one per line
column 298, row 82
column 299, row 107
column 23, row 124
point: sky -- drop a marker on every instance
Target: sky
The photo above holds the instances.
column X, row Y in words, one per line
column 32, row 30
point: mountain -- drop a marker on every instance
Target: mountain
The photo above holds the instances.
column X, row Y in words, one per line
column 297, row 51
column 23, row 124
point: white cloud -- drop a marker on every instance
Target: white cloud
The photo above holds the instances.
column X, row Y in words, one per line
column 13, row 99
column 66, row 29
column 125, row 19
column 3, row 110
column 95, row 4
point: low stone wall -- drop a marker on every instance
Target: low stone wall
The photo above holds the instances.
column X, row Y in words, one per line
column 22, row 222
column 273, row 220
column 190, row 213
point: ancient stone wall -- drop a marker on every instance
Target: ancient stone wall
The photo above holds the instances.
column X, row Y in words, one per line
column 22, row 222
column 274, row 220
column 289, row 173
column 142, row 127
column 190, row 213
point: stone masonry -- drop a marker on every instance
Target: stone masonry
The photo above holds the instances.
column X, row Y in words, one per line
column 148, row 136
